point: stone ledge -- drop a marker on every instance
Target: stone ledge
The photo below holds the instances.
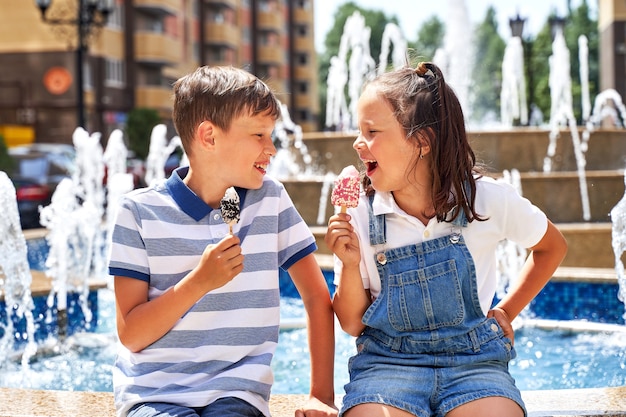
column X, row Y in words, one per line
column 600, row 402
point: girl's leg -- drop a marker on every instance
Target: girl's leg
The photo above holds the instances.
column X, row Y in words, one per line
column 379, row 410
column 488, row 407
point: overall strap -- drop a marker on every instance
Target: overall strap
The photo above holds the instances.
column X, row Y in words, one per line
column 377, row 226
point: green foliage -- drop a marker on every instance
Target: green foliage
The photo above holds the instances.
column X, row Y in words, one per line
column 537, row 67
column 582, row 24
column 6, row 162
column 139, row 128
column 487, row 74
column 429, row 38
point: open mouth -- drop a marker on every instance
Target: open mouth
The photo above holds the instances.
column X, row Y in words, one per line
column 370, row 166
column 261, row 167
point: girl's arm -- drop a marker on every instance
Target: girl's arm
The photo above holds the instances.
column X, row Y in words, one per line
column 309, row 280
column 543, row 260
column 351, row 299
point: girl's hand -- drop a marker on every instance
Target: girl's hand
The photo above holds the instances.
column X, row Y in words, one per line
column 342, row 241
column 503, row 320
column 316, row 408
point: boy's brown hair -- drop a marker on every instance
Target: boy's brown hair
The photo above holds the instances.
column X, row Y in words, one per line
column 219, row 95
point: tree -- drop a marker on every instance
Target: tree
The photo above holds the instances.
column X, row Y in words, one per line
column 582, row 24
column 139, row 129
column 487, row 72
column 429, row 38
column 538, row 65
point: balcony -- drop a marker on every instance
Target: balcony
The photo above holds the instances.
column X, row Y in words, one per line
column 303, row 16
column 305, row 101
column 158, row 7
column 305, row 72
column 233, row 4
column 152, row 96
column 222, row 34
column 271, row 21
column 156, row 49
column 304, row 44
column 271, row 54
column 278, row 86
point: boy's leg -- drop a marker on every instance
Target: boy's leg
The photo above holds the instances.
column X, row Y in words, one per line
column 230, row 407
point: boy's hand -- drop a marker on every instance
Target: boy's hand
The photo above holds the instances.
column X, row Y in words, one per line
column 221, row 262
column 342, row 241
column 316, row 408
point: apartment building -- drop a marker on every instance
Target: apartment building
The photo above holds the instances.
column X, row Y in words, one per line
column 132, row 60
column 612, row 28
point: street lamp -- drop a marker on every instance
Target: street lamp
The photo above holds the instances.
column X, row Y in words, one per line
column 517, row 26
column 89, row 14
column 556, row 25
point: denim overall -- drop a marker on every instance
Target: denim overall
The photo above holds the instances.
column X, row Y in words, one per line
column 427, row 346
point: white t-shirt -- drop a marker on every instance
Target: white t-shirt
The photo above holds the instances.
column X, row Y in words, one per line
column 510, row 216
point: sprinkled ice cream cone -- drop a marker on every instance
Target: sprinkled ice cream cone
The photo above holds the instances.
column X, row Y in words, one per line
column 346, row 189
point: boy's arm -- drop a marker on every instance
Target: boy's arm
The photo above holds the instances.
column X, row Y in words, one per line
column 308, row 279
column 140, row 321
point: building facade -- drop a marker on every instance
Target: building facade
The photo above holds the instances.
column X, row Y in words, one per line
column 145, row 45
column 612, row 29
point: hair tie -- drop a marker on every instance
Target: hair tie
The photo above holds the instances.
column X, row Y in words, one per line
column 421, row 69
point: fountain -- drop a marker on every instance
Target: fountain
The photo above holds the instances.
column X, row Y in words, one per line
column 618, row 233
column 457, row 53
column 513, row 94
column 15, row 278
column 355, row 70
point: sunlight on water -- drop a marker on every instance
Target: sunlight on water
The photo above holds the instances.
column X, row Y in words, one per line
column 554, row 359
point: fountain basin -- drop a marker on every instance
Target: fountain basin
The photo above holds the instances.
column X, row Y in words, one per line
column 521, row 148
column 602, row 402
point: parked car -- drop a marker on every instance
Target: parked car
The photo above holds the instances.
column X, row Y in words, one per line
column 37, row 171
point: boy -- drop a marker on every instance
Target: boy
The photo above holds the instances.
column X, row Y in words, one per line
column 197, row 307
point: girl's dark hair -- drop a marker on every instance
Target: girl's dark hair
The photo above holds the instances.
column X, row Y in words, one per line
column 428, row 109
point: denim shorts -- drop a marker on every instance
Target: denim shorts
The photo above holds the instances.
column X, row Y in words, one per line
column 224, row 407
column 429, row 384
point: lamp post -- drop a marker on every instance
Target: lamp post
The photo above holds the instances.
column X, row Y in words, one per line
column 517, row 26
column 556, row 25
column 517, row 29
column 89, row 14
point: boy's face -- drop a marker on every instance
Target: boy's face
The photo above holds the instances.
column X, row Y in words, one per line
column 247, row 148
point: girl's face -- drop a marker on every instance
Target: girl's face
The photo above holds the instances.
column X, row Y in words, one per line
column 382, row 146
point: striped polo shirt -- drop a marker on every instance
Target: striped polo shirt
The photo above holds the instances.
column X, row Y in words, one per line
column 223, row 345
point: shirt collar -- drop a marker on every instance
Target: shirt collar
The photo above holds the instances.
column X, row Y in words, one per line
column 187, row 200
column 384, row 203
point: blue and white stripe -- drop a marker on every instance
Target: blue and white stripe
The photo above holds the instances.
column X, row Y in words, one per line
column 224, row 345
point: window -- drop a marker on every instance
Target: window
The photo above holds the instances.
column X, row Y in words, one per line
column 116, row 17
column 114, row 74
column 303, row 4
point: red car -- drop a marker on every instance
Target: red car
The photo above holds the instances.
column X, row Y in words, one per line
column 38, row 169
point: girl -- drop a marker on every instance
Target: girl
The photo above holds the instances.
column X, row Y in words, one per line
column 416, row 264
